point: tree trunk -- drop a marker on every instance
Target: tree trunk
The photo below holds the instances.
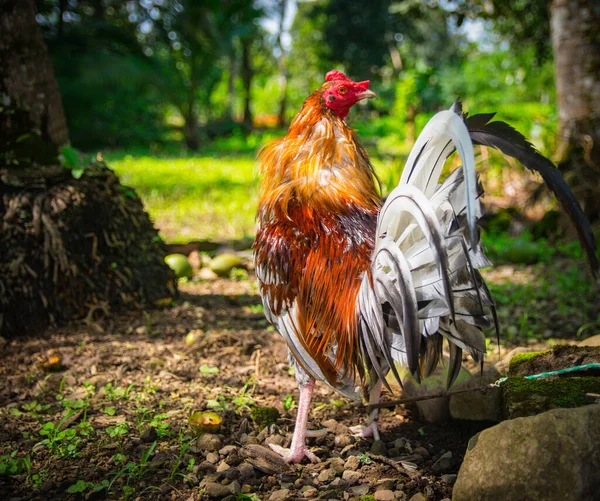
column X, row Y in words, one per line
column 282, row 64
column 247, row 79
column 576, row 43
column 231, row 85
column 71, row 245
column 32, row 118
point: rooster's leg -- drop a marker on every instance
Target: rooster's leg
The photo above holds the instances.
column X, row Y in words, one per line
column 298, row 448
column 370, row 428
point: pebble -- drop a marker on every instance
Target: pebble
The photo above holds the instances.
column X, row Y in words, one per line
column 326, row 475
column 205, row 466
column 378, row 448
column 385, row 484
column 384, row 495
column 343, row 440
column 337, row 464
column 209, row 442
column 352, row 463
column 246, row 470
column 280, row 495
column 246, row 489
column 443, row 464
column 274, row 439
column 418, row 497
column 400, row 443
column 309, row 492
column 214, row 490
column 235, row 487
column 352, row 477
column 359, row 490
column 228, row 449
column 449, row 478
column 421, row 451
column 213, row 458
column 338, row 483
column 222, row 467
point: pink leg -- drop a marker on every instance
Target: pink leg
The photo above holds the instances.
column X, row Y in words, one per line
column 298, row 449
column 370, row 428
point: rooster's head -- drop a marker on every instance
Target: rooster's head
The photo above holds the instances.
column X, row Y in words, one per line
column 341, row 93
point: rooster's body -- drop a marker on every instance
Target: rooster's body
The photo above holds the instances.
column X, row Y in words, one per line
column 354, row 287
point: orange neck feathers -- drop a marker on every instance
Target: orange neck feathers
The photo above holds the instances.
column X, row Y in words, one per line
column 318, row 163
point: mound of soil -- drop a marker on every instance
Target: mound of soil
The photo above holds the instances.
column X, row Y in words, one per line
column 74, row 248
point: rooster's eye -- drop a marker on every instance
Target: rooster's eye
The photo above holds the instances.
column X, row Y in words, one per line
column 342, row 90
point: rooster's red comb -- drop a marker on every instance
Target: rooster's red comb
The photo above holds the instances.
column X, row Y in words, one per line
column 335, row 75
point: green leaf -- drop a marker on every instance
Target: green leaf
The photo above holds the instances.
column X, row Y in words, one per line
column 111, row 411
column 205, row 369
column 69, row 157
column 77, row 173
column 80, row 486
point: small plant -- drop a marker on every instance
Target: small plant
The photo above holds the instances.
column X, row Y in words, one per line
column 81, row 486
column 117, row 393
column 288, row 403
column 61, row 442
column 364, row 459
column 10, row 464
column 118, row 430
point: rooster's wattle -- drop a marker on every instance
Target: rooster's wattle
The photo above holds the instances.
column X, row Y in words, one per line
column 355, row 286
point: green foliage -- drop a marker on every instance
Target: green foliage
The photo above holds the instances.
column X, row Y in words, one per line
column 10, row 464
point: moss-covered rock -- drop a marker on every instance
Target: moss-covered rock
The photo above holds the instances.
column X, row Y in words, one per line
column 224, row 263
column 264, row 416
column 561, row 356
column 528, row 397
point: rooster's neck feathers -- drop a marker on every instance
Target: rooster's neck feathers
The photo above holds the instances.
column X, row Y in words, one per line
column 318, row 164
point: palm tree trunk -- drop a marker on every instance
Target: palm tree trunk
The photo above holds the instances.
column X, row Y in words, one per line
column 576, row 44
column 32, row 118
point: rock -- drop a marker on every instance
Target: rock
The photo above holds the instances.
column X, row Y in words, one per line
column 275, row 439
column 337, row 464
column 523, row 397
column 228, row 449
column 360, row 490
column 475, row 405
column 502, row 365
column 384, row 495
column 223, row 467
column 264, row 416
column 214, row 490
column 378, row 448
column 352, row 477
column 235, row 487
column 552, row 456
column 434, row 410
column 209, row 442
column 590, row 341
column 326, row 475
column 224, row 263
column 343, row 440
column 208, row 465
column 449, row 478
column 444, row 464
column 421, row 451
column 280, row 495
column 308, row 491
column 246, row 470
column 386, row 484
column 338, row 483
column 352, row 463
column 213, row 458
column 418, row 497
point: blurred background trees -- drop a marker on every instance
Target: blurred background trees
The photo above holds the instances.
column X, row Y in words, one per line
column 158, row 73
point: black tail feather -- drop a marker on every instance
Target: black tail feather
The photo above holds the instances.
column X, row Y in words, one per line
column 503, row 137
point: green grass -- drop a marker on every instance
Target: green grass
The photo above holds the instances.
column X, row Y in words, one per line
column 194, row 198
column 212, row 195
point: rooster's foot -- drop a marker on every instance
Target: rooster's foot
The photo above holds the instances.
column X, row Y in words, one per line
column 294, row 455
column 366, row 431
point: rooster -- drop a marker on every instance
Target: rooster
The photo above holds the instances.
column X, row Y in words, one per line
column 356, row 286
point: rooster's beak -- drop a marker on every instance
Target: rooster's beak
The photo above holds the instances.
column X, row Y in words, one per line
column 366, row 94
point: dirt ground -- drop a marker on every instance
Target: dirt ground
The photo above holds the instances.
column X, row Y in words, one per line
column 100, row 411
